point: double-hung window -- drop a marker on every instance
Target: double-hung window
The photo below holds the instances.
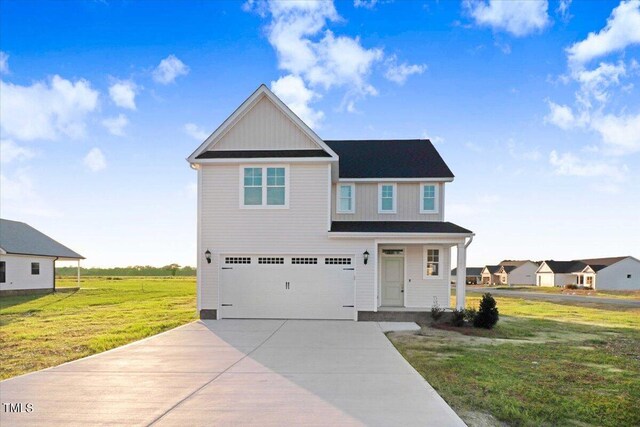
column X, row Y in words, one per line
column 264, row 186
column 431, row 263
column 387, row 198
column 35, row 268
column 428, row 198
column 346, row 198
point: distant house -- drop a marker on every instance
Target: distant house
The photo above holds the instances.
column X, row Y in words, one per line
column 514, row 273
column 473, row 275
column 615, row 273
column 488, row 275
column 28, row 258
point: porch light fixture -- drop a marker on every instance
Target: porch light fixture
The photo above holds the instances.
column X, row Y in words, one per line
column 365, row 254
column 207, row 255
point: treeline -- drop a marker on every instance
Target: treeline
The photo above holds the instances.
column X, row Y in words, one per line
column 135, row 270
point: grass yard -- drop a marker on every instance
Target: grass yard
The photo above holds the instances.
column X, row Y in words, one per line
column 543, row 364
column 39, row 331
column 562, row 291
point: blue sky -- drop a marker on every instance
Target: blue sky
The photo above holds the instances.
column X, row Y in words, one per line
column 534, row 105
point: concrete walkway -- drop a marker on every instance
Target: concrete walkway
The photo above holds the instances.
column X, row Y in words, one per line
column 557, row 297
column 236, row 372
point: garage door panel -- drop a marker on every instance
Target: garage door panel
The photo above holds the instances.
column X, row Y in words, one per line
column 290, row 290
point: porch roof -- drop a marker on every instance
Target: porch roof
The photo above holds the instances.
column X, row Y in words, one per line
column 432, row 227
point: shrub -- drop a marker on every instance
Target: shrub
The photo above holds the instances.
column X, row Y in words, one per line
column 457, row 318
column 571, row 286
column 470, row 314
column 436, row 310
column 487, row 315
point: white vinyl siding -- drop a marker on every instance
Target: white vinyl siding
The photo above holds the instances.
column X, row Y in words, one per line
column 300, row 230
column 346, row 198
column 264, row 127
column 422, row 292
column 428, row 198
column 19, row 272
column 408, row 203
column 616, row 276
column 387, row 198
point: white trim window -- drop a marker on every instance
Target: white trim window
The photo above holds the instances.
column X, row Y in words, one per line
column 264, row 186
column 432, row 268
column 346, row 198
column 428, row 198
column 387, row 198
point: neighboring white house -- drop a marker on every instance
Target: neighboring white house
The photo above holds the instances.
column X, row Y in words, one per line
column 488, row 275
column 28, row 258
column 615, row 273
column 517, row 273
column 292, row 226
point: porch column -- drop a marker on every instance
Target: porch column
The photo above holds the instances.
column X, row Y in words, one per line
column 461, row 277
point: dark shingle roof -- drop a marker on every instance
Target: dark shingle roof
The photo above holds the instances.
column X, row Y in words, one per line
column 471, row 271
column 604, row 262
column 396, row 227
column 20, row 238
column 411, row 158
column 492, row 268
column 253, row 154
column 564, row 267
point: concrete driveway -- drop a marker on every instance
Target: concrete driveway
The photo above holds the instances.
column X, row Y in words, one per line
column 236, row 372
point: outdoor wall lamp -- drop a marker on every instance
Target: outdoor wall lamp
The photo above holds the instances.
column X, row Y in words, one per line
column 366, row 257
column 207, row 255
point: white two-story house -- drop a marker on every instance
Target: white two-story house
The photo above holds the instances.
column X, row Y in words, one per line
column 293, row 226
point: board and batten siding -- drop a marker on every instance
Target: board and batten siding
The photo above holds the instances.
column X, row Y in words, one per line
column 407, row 209
column 18, row 272
column 423, row 292
column 225, row 228
column 264, row 127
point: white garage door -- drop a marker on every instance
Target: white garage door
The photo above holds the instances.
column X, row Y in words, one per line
column 287, row 287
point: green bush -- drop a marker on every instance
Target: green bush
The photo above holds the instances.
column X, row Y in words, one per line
column 457, row 318
column 488, row 315
column 470, row 314
column 571, row 286
column 436, row 310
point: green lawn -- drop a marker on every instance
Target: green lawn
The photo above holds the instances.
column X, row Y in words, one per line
column 544, row 364
column 40, row 331
column 560, row 291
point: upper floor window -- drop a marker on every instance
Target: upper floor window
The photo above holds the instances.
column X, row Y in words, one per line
column 428, row 198
column 431, row 263
column 386, row 198
column 346, row 198
column 261, row 192
column 35, row 268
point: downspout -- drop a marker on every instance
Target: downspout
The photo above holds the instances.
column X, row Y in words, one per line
column 466, row 245
column 54, row 274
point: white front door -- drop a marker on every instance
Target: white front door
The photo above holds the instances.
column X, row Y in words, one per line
column 392, row 283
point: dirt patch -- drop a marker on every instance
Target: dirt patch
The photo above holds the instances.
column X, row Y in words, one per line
column 480, row 419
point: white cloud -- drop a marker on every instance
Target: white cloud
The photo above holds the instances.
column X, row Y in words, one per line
column 116, row 125
column 169, row 69
column 595, row 84
column 10, row 151
column 4, row 63
column 123, row 94
column 293, row 92
column 621, row 133
column 400, row 72
column 622, row 30
column 195, row 131
column 46, row 110
column 561, row 116
column 570, row 165
column 95, row 160
column 306, row 49
column 518, row 17
column 18, row 197
column 366, row 4
column 563, row 10
column 473, row 147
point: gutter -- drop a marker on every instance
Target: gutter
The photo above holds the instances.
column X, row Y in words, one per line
column 54, row 274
